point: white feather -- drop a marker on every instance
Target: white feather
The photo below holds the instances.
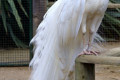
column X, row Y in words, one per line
column 58, row 40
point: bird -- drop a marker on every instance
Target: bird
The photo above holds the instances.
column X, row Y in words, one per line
column 69, row 29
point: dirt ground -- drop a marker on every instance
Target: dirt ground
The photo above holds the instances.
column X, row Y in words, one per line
column 103, row 72
column 14, row 73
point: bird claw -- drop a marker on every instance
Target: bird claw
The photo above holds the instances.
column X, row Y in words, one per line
column 89, row 53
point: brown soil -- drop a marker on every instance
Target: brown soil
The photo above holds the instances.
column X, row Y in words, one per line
column 103, row 72
column 14, row 73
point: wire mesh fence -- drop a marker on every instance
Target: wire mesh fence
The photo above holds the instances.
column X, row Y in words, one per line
column 110, row 27
column 14, row 43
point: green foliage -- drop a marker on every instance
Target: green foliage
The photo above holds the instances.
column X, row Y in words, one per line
column 15, row 39
column 20, row 4
column 7, row 9
column 3, row 16
column 115, row 1
column 15, row 13
column 111, row 23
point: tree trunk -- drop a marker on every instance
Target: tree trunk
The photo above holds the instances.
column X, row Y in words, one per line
column 39, row 9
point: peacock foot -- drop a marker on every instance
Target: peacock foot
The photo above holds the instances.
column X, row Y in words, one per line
column 89, row 52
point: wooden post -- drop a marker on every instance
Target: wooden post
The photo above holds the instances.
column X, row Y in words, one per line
column 108, row 60
column 85, row 65
column 39, row 9
column 84, row 71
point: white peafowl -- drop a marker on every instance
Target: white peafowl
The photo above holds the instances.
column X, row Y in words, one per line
column 68, row 29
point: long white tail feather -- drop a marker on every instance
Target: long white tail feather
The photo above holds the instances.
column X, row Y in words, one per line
column 49, row 61
column 58, row 41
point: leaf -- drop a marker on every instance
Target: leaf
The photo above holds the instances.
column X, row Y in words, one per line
column 19, row 2
column 114, row 14
column 115, row 1
column 114, row 20
column 106, row 28
column 115, row 30
column 15, row 13
column 118, row 10
column 3, row 14
column 6, row 5
column 0, row 6
column 15, row 39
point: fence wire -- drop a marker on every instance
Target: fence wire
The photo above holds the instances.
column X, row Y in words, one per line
column 110, row 27
column 14, row 44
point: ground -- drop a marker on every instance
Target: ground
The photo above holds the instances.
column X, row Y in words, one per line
column 107, row 72
column 103, row 72
column 14, row 73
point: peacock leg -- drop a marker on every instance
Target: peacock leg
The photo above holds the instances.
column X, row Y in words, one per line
column 92, row 30
column 91, row 35
column 84, row 35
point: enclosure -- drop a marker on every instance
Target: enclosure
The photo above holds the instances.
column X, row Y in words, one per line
column 19, row 20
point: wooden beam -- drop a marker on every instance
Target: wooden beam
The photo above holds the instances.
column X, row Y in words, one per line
column 111, row 5
column 99, row 59
column 115, row 52
column 85, row 65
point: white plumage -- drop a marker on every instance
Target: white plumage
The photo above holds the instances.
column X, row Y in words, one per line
column 69, row 27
